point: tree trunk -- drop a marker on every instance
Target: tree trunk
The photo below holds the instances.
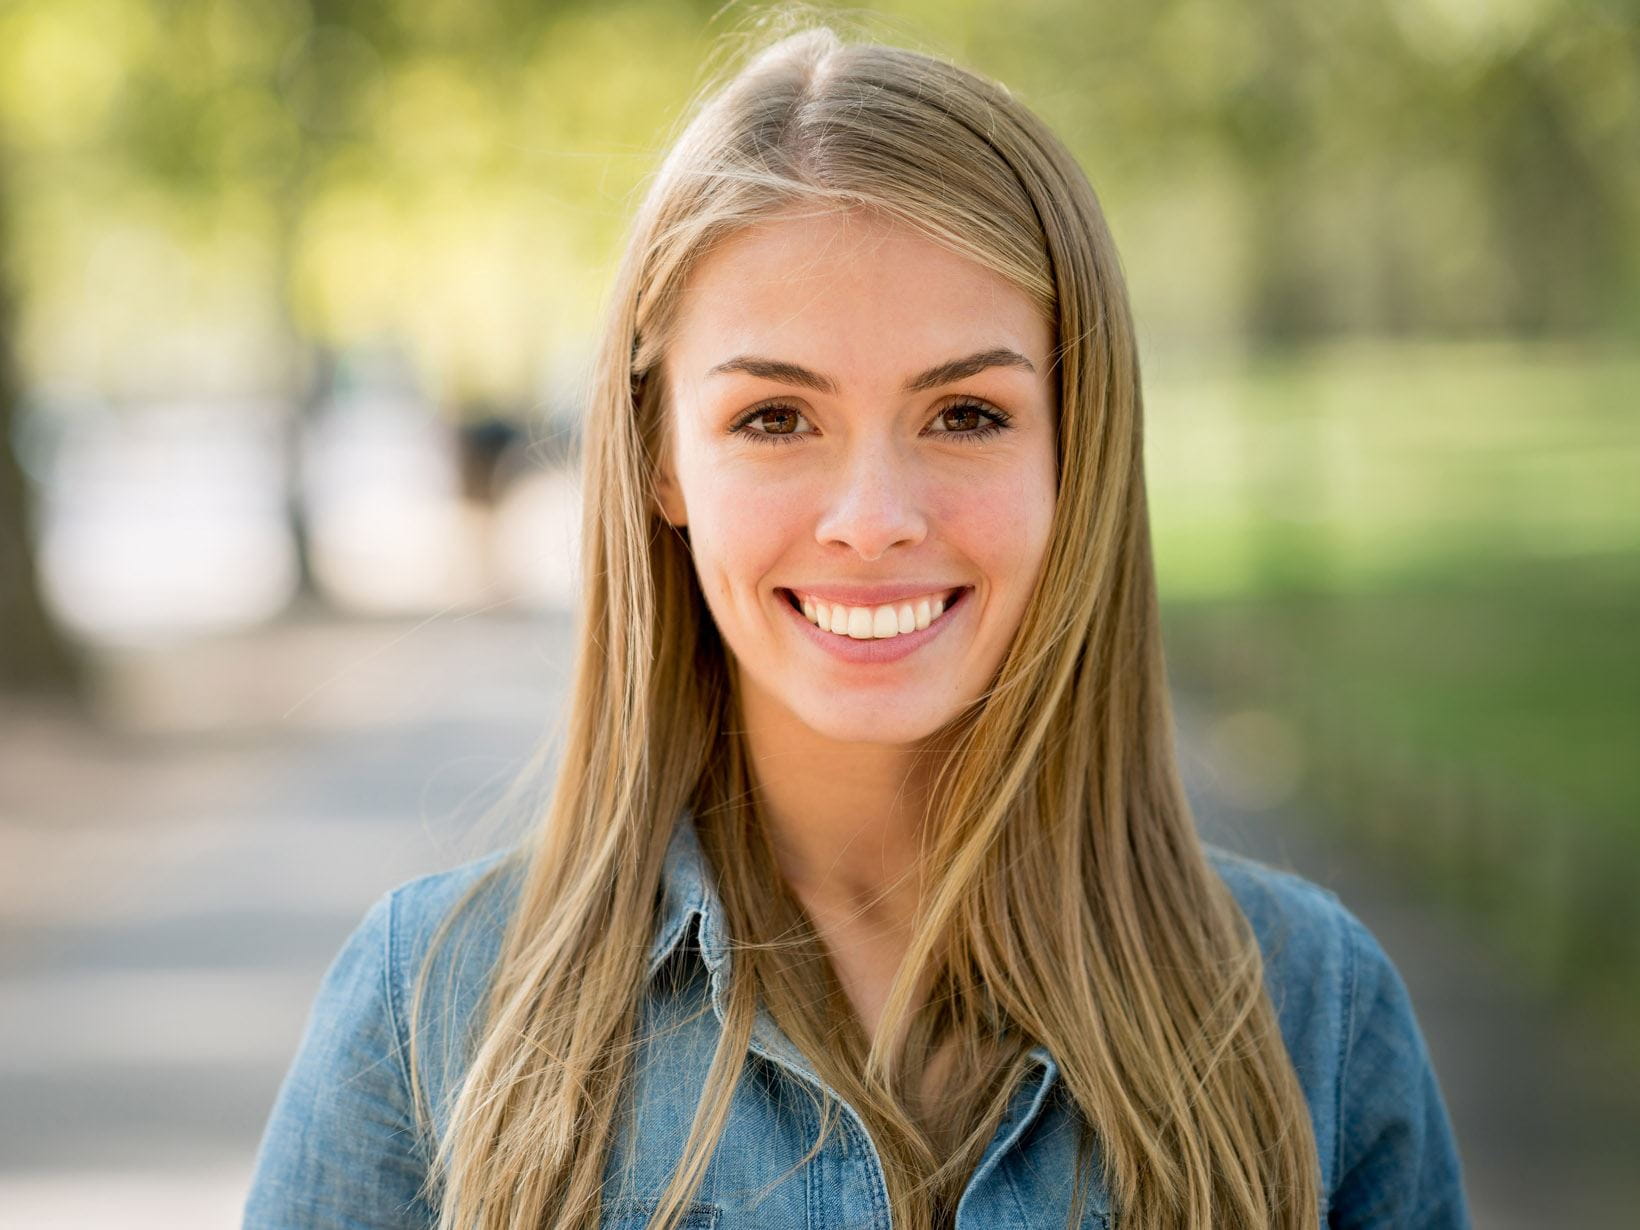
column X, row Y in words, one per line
column 34, row 656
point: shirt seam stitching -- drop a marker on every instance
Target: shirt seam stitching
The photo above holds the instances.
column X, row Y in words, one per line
column 811, row 1215
column 395, row 1017
column 1019, row 1198
column 1346, row 1048
column 879, row 1204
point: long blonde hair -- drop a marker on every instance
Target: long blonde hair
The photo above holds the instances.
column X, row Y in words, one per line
column 1073, row 906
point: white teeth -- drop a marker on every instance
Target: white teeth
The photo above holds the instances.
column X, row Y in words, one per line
column 873, row 623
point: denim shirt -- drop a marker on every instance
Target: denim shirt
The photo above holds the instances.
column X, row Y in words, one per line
column 341, row 1147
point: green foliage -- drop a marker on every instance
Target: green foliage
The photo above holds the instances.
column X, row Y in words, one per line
column 1276, row 171
column 1355, row 467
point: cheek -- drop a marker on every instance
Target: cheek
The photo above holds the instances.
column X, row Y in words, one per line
column 739, row 527
column 1001, row 524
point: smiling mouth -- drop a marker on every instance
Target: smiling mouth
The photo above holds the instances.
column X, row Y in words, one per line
column 883, row 622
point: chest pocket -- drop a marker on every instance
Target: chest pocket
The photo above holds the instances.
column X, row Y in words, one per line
column 633, row 1214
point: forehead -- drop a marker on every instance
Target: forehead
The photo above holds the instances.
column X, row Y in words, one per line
column 847, row 288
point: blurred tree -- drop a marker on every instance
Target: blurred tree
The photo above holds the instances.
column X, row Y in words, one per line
column 33, row 655
column 323, row 79
column 452, row 178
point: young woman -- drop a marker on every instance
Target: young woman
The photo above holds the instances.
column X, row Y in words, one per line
column 868, row 894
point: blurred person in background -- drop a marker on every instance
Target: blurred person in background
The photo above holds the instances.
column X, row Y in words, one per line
column 867, row 888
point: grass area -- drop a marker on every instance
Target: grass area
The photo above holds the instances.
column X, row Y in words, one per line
column 1427, row 562
column 1358, row 469
column 1530, row 676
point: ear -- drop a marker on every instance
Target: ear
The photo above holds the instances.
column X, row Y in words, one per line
column 668, row 494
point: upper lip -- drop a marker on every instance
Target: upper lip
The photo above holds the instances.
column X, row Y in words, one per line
column 873, row 595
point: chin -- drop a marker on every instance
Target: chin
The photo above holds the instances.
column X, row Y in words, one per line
column 842, row 724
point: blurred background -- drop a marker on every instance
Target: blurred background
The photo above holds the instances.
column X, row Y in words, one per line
column 298, row 302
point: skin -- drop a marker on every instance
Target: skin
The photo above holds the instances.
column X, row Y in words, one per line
column 879, row 485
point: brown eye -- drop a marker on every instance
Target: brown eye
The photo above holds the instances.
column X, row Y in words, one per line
column 784, row 420
column 971, row 421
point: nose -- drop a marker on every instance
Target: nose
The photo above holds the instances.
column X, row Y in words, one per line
column 872, row 505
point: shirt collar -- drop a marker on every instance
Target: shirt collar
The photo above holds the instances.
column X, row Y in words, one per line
column 690, row 896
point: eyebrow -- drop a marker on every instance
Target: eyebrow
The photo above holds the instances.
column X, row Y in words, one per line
column 940, row 373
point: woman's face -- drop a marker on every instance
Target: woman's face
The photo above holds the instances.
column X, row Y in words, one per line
column 865, row 420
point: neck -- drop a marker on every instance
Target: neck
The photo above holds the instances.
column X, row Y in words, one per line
column 844, row 818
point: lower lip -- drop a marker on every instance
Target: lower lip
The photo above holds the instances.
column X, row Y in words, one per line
column 868, row 651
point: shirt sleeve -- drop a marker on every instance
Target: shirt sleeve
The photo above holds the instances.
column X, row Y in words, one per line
column 341, row 1150
column 1398, row 1165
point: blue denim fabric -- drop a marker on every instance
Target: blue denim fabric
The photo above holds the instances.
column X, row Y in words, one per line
column 341, row 1147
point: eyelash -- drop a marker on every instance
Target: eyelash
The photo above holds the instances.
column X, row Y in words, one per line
column 1000, row 421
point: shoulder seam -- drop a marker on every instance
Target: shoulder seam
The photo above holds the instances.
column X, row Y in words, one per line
column 1346, row 1041
column 395, row 1012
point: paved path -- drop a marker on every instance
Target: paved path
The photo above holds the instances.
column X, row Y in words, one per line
column 172, row 888
column 171, row 892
